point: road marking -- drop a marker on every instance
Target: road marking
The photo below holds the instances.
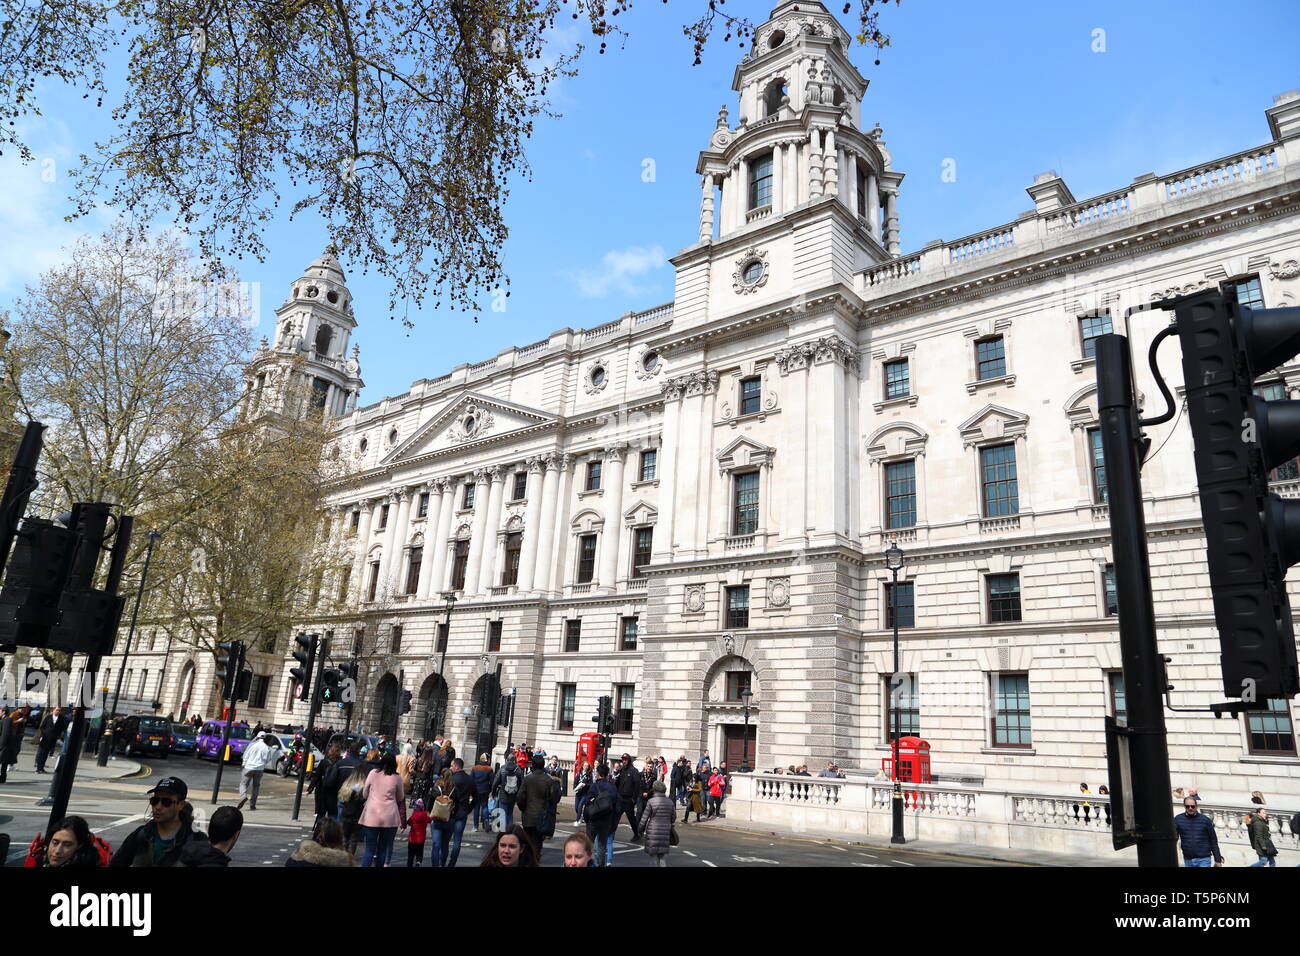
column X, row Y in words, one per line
column 707, row 863
column 867, row 855
column 628, row 850
column 688, row 853
column 856, row 863
column 754, row 859
column 904, row 863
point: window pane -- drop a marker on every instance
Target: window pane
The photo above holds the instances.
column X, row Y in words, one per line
column 750, row 395
column 1004, row 597
column 469, row 495
column 899, row 601
column 990, row 359
column 630, row 625
column 1271, row 731
column 641, row 551
column 494, row 635
column 1090, row 327
column 625, row 697
column 737, row 681
column 1011, row 711
column 586, row 558
column 897, row 380
column 738, row 606
column 649, row 460
column 746, row 517
column 521, row 484
column 572, row 634
column 1001, row 489
column 1118, row 702
column 900, row 494
column 568, row 702
column 1112, row 602
column 760, row 182
column 1247, row 291
column 1098, row 466
column 593, row 475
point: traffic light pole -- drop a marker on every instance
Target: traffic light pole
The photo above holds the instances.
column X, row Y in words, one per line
column 229, row 689
column 106, row 739
column 322, row 651
column 1143, row 678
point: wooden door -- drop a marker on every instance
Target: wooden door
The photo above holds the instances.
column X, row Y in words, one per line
column 734, row 739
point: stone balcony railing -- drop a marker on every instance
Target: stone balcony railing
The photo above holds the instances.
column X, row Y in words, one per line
column 978, row 816
column 1147, row 199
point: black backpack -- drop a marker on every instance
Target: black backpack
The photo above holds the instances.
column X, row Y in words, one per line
column 1295, row 824
column 599, row 807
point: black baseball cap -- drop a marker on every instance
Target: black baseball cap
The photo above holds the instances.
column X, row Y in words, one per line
column 172, row 785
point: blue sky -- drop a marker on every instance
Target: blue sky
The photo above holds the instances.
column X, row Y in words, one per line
column 1005, row 90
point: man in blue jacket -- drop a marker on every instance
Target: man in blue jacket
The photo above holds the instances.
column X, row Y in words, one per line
column 1196, row 833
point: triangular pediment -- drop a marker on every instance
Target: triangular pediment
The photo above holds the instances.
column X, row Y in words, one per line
column 641, row 513
column 744, row 452
column 991, row 423
column 470, row 417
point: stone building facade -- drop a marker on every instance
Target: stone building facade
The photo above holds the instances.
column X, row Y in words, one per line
column 694, row 500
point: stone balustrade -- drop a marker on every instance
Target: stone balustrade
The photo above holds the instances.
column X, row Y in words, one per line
column 1067, row 823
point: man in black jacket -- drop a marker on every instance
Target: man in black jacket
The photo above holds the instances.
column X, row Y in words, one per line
column 463, row 796
column 507, row 785
column 223, row 834
column 336, row 774
column 537, row 802
column 629, row 789
column 51, row 731
column 162, row 840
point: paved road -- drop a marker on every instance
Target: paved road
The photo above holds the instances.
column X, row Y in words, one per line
column 115, row 807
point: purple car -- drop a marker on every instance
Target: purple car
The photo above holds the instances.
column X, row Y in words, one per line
column 209, row 744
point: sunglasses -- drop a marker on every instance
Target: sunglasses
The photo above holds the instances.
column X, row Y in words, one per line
column 161, row 801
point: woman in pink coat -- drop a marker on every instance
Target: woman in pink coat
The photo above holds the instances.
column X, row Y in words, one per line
column 384, row 813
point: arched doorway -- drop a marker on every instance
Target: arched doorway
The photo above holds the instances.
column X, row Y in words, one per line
column 432, row 719
column 481, row 729
column 729, row 734
column 386, row 693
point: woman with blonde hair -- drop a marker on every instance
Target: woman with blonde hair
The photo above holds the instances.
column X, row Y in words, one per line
column 352, row 801
column 441, row 812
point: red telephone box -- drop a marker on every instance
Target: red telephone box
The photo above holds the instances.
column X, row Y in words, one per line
column 589, row 750
column 913, row 761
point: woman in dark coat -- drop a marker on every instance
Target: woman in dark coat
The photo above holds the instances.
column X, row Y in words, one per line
column 11, row 740
column 694, row 800
column 657, row 826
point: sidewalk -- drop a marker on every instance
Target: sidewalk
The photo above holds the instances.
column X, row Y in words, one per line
column 24, row 775
column 992, row 854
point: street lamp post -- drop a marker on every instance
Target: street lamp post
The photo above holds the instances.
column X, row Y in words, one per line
column 744, row 762
column 440, row 707
column 106, row 738
column 894, row 561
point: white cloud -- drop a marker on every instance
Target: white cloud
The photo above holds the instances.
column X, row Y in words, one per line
column 616, row 272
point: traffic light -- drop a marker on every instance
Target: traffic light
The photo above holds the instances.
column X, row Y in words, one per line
column 331, row 685
column 243, row 684
column 404, row 706
column 348, row 684
column 306, row 658
column 505, row 710
column 604, row 716
column 229, row 663
column 1252, row 536
column 38, row 573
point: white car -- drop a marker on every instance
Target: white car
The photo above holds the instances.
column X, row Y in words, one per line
column 283, row 765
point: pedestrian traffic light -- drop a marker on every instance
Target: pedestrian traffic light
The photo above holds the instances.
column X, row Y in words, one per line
column 331, row 685
column 306, row 658
column 1252, row 535
column 243, row 684
column 229, row 663
column 404, row 707
column 37, row 575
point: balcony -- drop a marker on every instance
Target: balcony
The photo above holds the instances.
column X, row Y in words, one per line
column 1006, row 523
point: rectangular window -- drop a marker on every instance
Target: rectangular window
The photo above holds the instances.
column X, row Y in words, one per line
column 899, row 601
column 521, row 485
column 1271, row 731
column 1118, row 702
column 1288, row 470
column 459, row 561
column 1092, row 327
column 586, row 558
column 760, row 182
column 318, row 578
column 469, row 495
column 593, row 476
column 898, row 380
column 319, row 390
column 751, row 395
column 261, row 688
column 572, row 635
column 1098, row 465
column 990, row 358
column 627, row 638
column 861, row 178
column 424, row 505
column 998, row 475
column 356, row 521
column 494, row 636
column 568, row 704
column 1011, row 710
column 374, row 581
column 395, row 639
column 1108, row 590
column 442, row 637
column 624, row 702
column 745, row 517
column 1247, row 292
column 413, row 571
column 737, row 682
column 738, row 606
column 649, row 464
column 900, row 494
column 383, row 517
column 144, row 678
column 901, row 692
column 1004, row 598
column 641, row 551
column 514, row 547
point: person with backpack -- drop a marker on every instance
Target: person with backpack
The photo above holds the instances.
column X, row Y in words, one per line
column 506, row 786
column 601, row 812
column 482, row 777
column 334, row 779
column 538, row 802
column 582, row 780
column 351, row 802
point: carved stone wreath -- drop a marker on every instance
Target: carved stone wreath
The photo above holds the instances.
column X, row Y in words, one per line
column 643, row 373
column 1174, row 291
column 750, row 256
column 1285, row 270
column 695, row 600
column 778, row 592
column 473, row 422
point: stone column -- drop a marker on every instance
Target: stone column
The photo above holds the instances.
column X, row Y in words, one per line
column 545, row 560
column 892, row 244
column 437, row 556
column 814, row 164
column 801, row 171
column 387, row 536
column 742, row 194
column 778, row 179
column 851, row 182
column 662, row 545
column 873, row 205
column 831, row 165
column 432, row 543
column 533, row 520
column 706, row 213
column 490, row 539
column 479, row 534
column 613, row 480
column 390, row 572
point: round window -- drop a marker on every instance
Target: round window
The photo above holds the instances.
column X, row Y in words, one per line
column 753, row 272
column 778, row 37
column 598, row 375
column 650, row 361
column 363, row 445
column 470, row 422
column 392, row 437
column 332, row 296
column 312, row 292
